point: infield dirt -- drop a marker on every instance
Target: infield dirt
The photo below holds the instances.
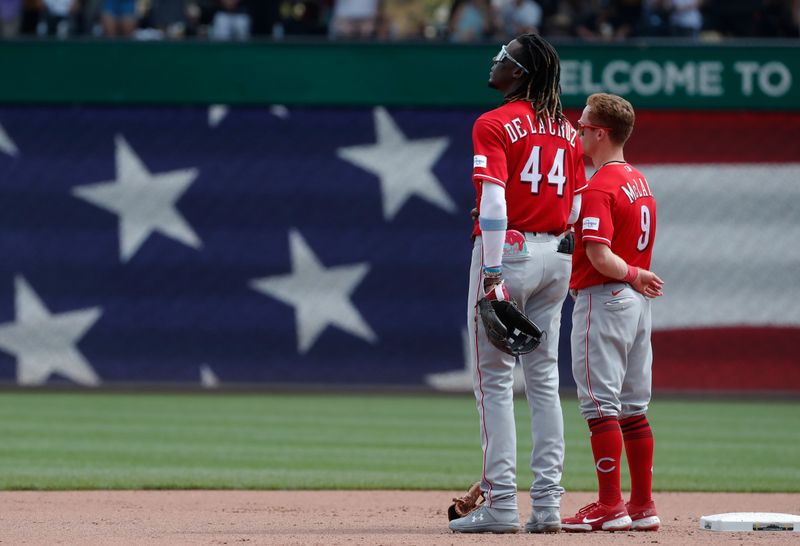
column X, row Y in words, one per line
column 334, row 518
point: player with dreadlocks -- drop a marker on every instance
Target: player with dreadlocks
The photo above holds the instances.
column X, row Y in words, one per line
column 541, row 85
column 527, row 167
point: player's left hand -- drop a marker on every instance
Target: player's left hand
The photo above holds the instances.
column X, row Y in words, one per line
column 648, row 283
column 474, row 214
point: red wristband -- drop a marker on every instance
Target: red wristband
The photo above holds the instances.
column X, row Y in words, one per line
column 633, row 272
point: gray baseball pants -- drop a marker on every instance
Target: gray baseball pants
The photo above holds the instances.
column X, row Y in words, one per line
column 611, row 352
column 538, row 281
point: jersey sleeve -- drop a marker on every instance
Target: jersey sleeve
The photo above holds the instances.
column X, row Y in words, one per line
column 595, row 219
column 489, row 145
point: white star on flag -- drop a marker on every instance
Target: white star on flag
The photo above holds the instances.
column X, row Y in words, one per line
column 279, row 110
column 45, row 343
column 217, row 113
column 145, row 202
column 404, row 167
column 208, row 379
column 320, row 295
column 7, row 146
column 461, row 380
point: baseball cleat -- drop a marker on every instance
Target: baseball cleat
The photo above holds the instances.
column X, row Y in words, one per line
column 644, row 517
column 487, row 520
column 599, row 517
column 545, row 519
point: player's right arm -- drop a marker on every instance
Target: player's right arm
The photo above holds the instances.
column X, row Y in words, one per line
column 597, row 230
column 613, row 266
column 490, row 170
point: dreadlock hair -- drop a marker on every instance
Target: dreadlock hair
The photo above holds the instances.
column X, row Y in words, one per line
column 543, row 87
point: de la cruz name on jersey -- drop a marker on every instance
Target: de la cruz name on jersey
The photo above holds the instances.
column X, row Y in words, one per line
column 618, row 210
column 538, row 161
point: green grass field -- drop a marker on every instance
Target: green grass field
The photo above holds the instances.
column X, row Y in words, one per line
column 269, row 441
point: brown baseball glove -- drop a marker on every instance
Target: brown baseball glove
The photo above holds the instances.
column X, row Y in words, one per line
column 464, row 505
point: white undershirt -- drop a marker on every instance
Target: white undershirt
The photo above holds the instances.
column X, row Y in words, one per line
column 493, row 206
column 576, row 210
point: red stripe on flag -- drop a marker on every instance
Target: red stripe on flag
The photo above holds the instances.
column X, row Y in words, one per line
column 727, row 359
column 711, row 137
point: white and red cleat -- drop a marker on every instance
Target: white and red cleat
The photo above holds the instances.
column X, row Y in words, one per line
column 644, row 517
column 598, row 517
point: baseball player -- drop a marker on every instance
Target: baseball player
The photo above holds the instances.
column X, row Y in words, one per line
column 612, row 287
column 528, row 163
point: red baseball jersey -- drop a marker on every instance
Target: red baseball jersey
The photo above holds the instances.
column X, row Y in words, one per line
column 619, row 210
column 539, row 163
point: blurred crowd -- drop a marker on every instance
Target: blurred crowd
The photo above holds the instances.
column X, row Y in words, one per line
column 453, row 20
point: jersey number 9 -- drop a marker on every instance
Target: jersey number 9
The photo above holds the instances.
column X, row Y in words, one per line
column 644, row 240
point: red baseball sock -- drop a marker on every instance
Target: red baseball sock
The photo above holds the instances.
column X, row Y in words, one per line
column 607, row 450
column 639, row 448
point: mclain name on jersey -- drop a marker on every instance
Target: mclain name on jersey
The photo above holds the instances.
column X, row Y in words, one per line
column 636, row 189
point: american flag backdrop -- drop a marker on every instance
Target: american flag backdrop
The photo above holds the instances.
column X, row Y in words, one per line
column 250, row 245
column 216, row 246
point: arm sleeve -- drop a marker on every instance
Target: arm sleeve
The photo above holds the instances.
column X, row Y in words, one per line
column 489, row 145
column 576, row 209
column 493, row 223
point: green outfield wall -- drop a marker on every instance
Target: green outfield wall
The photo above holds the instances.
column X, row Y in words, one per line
column 740, row 76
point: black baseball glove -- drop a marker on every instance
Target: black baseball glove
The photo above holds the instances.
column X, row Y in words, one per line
column 567, row 244
column 508, row 328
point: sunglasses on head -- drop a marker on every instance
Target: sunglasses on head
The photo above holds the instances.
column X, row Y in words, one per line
column 503, row 55
column 582, row 126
